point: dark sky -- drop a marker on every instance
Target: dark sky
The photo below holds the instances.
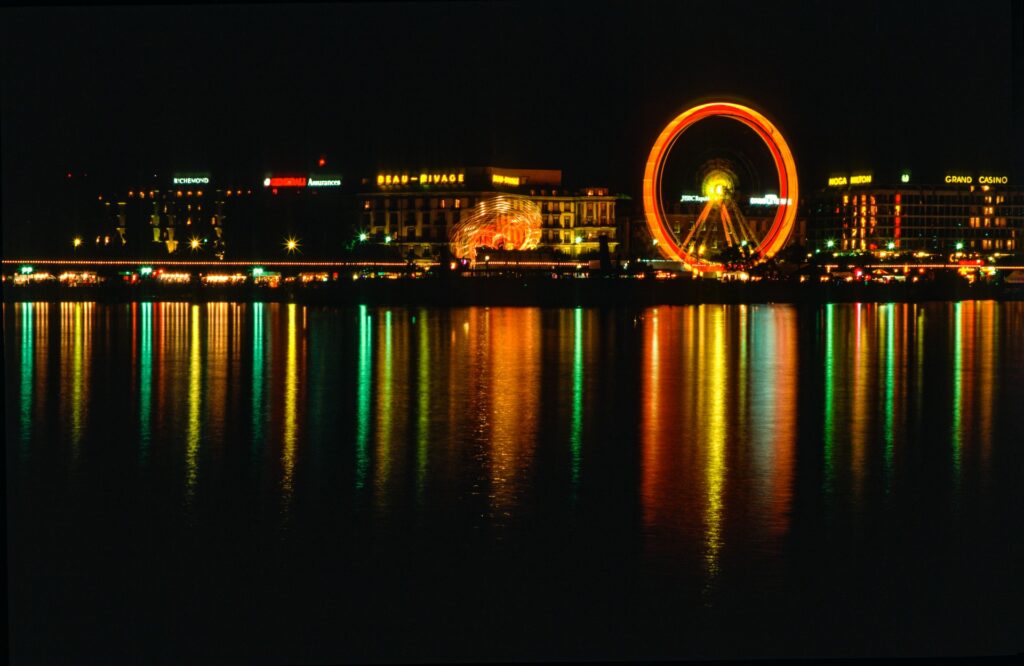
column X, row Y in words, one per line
column 584, row 87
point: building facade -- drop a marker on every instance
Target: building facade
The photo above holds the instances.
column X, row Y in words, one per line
column 977, row 213
column 191, row 216
column 417, row 210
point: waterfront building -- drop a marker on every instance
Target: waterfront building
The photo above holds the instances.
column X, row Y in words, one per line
column 975, row 212
column 418, row 209
column 188, row 216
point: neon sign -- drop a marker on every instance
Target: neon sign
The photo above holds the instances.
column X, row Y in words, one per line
column 425, row 179
column 498, row 179
column 953, row 178
column 860, row 179
column 327, row 182
column 837, row 181
column 768, row 200
column 993, row 180
column 191, row 180
column 689, row 198
column 285, row 182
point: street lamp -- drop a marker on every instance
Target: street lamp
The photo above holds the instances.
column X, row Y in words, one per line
column 830, row 243
column 959, row 246
column 387, row 239
column 291, row 244
column 891, row 245
column 362, row 237
column 76, row 242
column 194, row 243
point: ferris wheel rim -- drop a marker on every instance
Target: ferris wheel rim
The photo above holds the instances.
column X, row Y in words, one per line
column 785, row 167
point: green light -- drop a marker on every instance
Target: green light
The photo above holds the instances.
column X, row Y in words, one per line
column 387, row 239
column 146, row 270
column 363, row 387
column 829, row 425
column 257, row 271
column 959, row 246
column 577, row 397
column 830, row 243
column 258, row 367
column 25, row 270
column 905, row 177
column 145, row 378
column 362, row 237
column 891, row 245
column 27, row 359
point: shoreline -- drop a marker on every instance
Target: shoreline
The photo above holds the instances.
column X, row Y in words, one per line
column 525, row 291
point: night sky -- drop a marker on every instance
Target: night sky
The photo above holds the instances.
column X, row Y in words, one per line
column 237, row 90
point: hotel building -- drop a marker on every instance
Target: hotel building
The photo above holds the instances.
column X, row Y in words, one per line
column 417, row 210
column 188, row 216
column 969, row 212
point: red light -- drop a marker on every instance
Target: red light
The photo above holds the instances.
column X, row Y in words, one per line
column 69, row 174
column 288, row 182
column 322, row 161
column 273, row 191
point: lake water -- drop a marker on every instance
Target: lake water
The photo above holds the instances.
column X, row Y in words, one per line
column 278, row 482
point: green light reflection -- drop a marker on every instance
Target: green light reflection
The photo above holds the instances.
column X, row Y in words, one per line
column 829, row 434
column 577, row 398
column 363, row 399
column 27, row 358
column 957, row 391
column 145, row 381
column 890, row 352
column 258, row 370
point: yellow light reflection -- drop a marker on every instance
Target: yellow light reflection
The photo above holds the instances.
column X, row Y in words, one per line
column 513, row 366
column 715, row 433
column 290, row 401
column 194, row 401
column 423, row 403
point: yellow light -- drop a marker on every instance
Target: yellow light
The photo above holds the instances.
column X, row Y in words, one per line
column 291, row 244
column 194, row 243
column 862, row 179
column 77, row 241
column 837, row 181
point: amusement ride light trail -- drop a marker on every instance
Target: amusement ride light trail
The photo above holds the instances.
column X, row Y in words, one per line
column 499, row 222
column 718, row 186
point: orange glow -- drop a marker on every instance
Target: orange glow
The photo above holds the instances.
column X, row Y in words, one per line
column 785, row 166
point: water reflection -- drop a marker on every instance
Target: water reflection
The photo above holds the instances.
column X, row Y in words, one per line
column 145, row 379
column 194, row 401
column 499, row 410
column 27, row 357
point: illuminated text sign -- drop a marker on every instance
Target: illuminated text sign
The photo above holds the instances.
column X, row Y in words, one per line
column 323, row 182
column 768, row 200
column 498, row 179
column 993, row 180
column 855, row 179
column 692, row 197
column 191, row 180
column 289, row 181
column 424, row 179
column 953, row 178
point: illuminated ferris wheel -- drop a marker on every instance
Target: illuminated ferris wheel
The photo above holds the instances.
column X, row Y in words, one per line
column 720, row 218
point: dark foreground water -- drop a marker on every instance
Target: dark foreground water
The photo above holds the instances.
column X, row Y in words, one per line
column 287, row 483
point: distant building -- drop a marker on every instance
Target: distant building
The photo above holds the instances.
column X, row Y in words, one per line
column 192, row 216
column 417, row 209
column 973, row 212
column 185, row 216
